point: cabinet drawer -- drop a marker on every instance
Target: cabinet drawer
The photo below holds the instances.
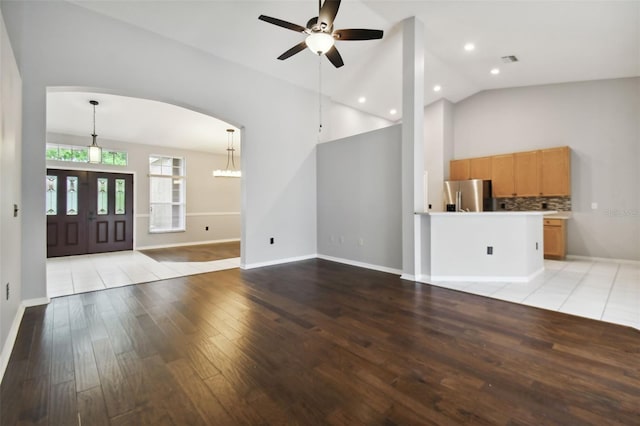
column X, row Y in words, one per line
column 553, row 222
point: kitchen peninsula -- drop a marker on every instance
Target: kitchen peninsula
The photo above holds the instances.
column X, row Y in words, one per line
column 482, row 246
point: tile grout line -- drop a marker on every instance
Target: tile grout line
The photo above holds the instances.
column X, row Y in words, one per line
column 577, row 285
column 613, row 283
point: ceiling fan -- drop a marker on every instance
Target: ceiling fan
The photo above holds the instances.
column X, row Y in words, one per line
column 320, row 33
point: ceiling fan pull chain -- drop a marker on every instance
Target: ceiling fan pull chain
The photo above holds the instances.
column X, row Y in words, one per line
column 320, row 93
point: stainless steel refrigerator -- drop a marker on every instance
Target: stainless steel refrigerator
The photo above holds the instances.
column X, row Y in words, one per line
column 472, row 195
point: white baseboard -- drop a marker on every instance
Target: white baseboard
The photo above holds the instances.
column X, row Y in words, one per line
column 276, row 262
column 11, row 340
column 603, row 259
column 196, row 243
column 408, row 277
column 5, row 354
column 35, row 302
column 361, row 264
column 484, row 278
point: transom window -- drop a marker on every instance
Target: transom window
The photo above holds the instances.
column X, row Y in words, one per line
column 80, row 154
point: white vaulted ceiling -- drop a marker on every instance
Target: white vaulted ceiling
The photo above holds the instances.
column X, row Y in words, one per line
column 556, row 41
column 137, row 120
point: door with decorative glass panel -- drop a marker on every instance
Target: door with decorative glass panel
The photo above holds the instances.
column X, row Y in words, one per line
column 88, row 212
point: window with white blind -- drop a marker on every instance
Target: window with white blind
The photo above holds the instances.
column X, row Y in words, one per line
column 167, row 203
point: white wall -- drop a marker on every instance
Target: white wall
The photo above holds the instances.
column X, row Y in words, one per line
column 359, row 199
column 10, row 152
column 343, row 121
column 600, row 121
column 60, row 44
column 438, row 149
column 212, row 202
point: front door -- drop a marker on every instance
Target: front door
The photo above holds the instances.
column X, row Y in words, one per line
column 88, row 212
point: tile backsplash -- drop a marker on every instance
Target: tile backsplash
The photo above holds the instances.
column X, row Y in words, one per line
column 534, row 203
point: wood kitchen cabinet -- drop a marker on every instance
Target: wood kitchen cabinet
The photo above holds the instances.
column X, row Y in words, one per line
column 480, row 168
column 555, row 172
column 526, row 174
column 554, row 239
column 459, row 169
column 545, row 172
column 502, row 175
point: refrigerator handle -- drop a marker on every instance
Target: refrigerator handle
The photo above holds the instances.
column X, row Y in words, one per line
column 459, row 201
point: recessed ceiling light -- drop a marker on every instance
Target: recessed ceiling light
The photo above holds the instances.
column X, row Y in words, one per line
column 393, row 112
column 362, row 99
column 469, row 47
column 437, row 88
column 495, row 71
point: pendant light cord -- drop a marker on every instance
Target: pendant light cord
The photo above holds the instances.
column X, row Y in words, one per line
column 320, row 93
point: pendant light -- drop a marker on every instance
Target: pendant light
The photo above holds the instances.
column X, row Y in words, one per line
column 229, row 172
column 95, row 152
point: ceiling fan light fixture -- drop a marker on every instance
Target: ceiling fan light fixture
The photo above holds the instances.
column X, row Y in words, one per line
column 319, row 42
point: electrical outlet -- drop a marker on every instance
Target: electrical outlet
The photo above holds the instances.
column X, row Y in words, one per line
column 7, row 291
column 489, row 250
column 206, row 228
column 536, row 245
column 272, row 240
column 361, row 241
column 544, row 206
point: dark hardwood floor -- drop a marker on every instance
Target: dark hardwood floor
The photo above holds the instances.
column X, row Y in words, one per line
column 314, row 342
column 198, row 253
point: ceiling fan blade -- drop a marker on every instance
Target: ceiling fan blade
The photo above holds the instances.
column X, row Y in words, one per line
column 283, row 24
column 295, row 49
column 328, row 13
column 357, row 34
column 334, row 56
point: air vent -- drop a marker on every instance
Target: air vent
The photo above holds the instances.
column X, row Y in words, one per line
column 510, row 58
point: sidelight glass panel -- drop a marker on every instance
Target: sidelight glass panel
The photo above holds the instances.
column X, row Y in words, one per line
column 103, row 196
column 120, row 208
column 52, row 195
column 72, row 195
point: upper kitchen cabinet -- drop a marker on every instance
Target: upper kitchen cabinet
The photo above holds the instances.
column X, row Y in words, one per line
column 502, row 175
column 459, row 169
column 526, row 174
column 480, row 168
column 555, row 172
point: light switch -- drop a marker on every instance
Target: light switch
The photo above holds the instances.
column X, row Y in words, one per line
column 594, row 205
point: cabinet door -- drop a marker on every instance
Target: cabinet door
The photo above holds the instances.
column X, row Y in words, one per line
column 555, row 171
column 527, row 180
column 459, row 169
column 480, row 168
column 502, row 167
column 554, row 236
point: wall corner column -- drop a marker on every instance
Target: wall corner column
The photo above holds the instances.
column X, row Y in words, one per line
column 412, row 144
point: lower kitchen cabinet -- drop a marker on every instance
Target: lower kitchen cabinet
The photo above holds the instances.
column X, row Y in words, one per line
column 555, row 235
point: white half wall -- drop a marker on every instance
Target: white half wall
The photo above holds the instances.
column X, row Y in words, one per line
column 600, row 121
column 61, row 44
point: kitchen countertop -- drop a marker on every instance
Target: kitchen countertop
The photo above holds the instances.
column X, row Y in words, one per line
column 551, row 214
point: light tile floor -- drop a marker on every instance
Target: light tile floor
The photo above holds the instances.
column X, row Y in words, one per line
column 79, row 274
column 606, row 291
column 602, row 290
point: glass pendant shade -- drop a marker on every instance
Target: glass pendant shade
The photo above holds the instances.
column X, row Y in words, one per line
column 319, row 43
column 95, row 152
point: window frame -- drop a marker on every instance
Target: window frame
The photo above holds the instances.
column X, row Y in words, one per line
column 182, row 203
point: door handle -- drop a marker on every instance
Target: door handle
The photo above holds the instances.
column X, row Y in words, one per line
column 91, row 216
